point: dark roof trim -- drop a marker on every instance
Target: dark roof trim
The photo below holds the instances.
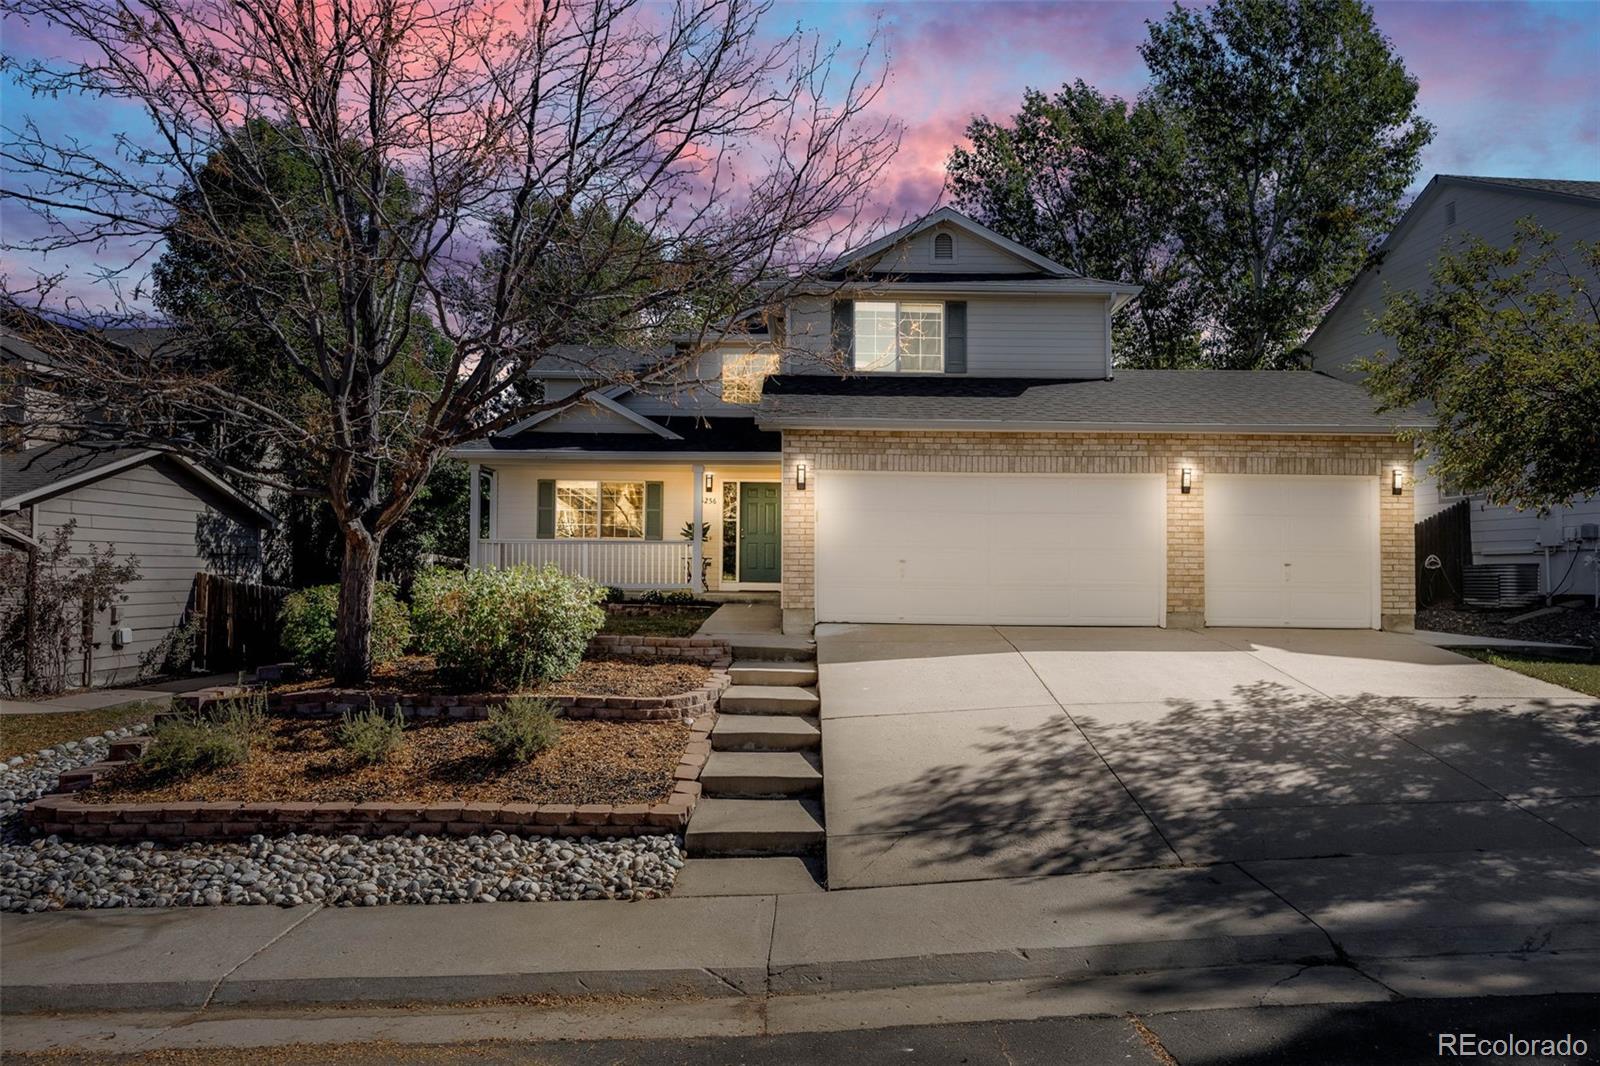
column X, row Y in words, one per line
column 93, row 474
column 1011, row 425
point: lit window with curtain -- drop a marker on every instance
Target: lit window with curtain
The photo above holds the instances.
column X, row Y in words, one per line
column 587, row 510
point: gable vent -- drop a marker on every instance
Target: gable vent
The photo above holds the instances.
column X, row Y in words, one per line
column 1450, row 213
column 944, row 248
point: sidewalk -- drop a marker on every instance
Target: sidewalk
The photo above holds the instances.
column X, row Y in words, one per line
column 1391, row 914
column 96, row 699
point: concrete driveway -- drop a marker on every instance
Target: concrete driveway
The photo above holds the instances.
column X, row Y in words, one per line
column 960, row 752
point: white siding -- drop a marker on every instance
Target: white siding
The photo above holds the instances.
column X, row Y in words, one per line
column 974, row 255
column 144, row 513
column 517, row 511
column 1007, row 336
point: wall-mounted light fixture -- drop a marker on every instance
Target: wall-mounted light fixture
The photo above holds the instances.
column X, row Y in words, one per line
column 1186, row 481
column 800, row 476
column 1399, row 481
column 710, row 482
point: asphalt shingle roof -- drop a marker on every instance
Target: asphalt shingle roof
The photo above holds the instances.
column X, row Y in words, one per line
column 1590, row 189
column 699, row 435
column 35, row 468
column 1203, row 399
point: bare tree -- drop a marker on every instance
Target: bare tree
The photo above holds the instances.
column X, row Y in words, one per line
column 475, row 191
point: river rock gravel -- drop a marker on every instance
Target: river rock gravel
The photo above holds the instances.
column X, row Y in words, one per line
column 49, row 873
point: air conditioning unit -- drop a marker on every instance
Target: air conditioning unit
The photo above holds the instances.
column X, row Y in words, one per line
column 1501, row 584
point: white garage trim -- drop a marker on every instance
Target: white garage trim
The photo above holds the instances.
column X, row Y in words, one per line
column 1014, row 549
column 1293, row 551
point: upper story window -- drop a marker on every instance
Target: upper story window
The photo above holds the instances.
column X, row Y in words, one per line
column 586, row 510
column 743, row 375
column 944, row 248
column 903, row 337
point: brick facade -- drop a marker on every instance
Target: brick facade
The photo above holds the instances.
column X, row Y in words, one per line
column 933, row 451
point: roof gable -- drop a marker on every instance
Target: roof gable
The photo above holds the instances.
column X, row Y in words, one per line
column 869, row 256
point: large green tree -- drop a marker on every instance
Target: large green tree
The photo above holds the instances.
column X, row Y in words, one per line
column 1094, row 182
column 1505, row 349
column 1301, row 135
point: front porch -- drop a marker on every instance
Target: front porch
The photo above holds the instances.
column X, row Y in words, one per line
column 712, row 526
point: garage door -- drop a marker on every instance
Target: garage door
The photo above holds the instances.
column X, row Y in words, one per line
column 1291, row 551
column 980, row 548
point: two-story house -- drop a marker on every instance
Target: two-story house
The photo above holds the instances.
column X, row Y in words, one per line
column 1449, row 210
column 944, row 438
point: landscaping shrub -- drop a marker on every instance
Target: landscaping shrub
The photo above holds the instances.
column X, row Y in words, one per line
column 371, row 736
column 216, row 737
column 508, row 628
column 521, row 728
column 309, row 617
column 667, row 597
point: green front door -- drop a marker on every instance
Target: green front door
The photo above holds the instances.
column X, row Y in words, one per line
column 759, row 549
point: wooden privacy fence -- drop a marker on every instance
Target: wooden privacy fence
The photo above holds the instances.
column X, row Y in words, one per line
column 238, row 622
column 1444, row 550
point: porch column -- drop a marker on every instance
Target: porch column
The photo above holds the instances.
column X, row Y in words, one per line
column 474, row 511
column 695, row 567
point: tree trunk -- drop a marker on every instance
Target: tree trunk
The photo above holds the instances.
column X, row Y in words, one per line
column 358, row 579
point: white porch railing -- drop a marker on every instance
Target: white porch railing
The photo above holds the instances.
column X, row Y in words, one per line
column 623, row 564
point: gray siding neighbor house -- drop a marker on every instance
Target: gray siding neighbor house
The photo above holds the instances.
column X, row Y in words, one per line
column 174, row 516
column 1447, row 211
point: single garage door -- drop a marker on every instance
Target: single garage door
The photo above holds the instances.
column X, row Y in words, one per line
column 1291, row 551
column 993, row 549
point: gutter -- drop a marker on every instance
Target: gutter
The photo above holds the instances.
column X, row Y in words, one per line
column 1007, row 425
column 575, row 455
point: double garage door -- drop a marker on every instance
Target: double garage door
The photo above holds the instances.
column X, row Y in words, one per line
column 1088, row 549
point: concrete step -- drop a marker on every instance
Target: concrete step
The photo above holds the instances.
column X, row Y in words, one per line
column 754, row 827
column 752, row 774
column 773, row 672
column 769, row 699
column 772, row 646
column 765, row 732
column 768, row 875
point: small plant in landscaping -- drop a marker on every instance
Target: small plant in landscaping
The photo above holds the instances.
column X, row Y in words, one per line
column 506, row 628
column 218, row 736
column 521, row 728
column 308, row 625
column 371, row 736
column 667, row 597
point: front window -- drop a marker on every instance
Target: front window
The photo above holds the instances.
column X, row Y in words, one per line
column 743, row 375
column 903, row 337
column 586, row 510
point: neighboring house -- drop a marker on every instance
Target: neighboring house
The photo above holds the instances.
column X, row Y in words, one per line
column 174, row 516
column 1449, row 210
column 947, row 441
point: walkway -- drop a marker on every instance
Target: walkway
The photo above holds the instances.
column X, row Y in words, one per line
column 96, row 699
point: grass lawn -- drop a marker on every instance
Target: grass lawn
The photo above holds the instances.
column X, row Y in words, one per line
column 1585, row 677
column 23, row 734
column 648, row 621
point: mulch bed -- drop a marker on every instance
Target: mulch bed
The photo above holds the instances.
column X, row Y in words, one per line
column 298, row 760
column 1572, row 625
column 415, row 675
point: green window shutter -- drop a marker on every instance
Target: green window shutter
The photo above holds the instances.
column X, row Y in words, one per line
column 547, row 510
column 652, row 510
column 844, row 332
column 955, row 337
